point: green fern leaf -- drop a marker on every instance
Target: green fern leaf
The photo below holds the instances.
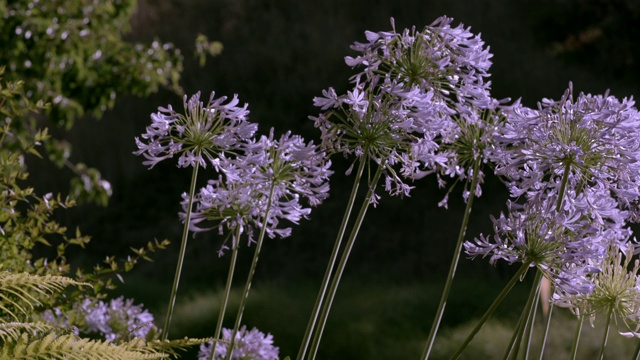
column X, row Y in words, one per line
column 21, row 292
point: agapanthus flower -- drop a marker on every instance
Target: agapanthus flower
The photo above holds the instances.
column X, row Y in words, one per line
column 616, row 292
column 265, row 184
column 593, row 140
column 202, row 133
column 563, row 244
column 252, row 344
column 118, row 318
column 415, row 92
column 451, row 61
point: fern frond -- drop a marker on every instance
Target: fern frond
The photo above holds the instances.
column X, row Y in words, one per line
column 172, row 346
column 72, row 347
column 20, row 293
column 13, row 330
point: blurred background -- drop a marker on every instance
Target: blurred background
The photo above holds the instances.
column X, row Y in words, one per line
column 277, row 56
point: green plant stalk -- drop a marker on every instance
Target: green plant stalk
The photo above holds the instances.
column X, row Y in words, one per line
column 227, row 291
column 636, row 354
column 563, row 185
column 523, row 269
column 532, row 314
column 252, row 271
column 454, row 263
column 514, row 344
column 332, row 260
column 576, row 338
column 606, row 334
column 326, row 307
column 546, row 331
column 183, row 247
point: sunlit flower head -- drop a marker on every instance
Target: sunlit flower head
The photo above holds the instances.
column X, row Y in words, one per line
column 252, row 344
column 202, row 133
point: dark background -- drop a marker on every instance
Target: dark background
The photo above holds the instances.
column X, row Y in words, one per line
column 277, row 56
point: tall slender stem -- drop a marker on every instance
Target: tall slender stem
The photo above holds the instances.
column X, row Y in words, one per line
column 315, row 344
column 252, row 270
column 227, row 291
column 546, row 331
column 533, row 307
column 332, row 260
column 606, row 334
column 492, row 308
column 576, row 338
column 454, row 263
column 524, row 321
column 183, row 247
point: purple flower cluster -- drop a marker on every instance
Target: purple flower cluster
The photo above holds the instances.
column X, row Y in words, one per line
column 252, row 344
column 418, row 97
column 263, row 185
column 573, row 166
column 118, row 318
column 202, row 133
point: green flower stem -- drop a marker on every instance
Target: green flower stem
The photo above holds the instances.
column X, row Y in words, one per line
column 183, row 247
column 533, row 307
column 523, row 269
column 563, row 185
column 606, row 334
column 326, row 307
column 636, row 355
column 546, row 331
column 332, row 260
column 454, row 263
column 576, row 338
column 227, row 291
column 252, row 271
column 523, row 322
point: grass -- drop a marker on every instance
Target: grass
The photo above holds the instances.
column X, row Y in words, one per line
column 380, row 320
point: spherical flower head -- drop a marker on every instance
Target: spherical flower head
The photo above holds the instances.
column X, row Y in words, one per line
column 573, row 143
column 268, row 182
column 616, row 292
column 201, row 133
column 450, row 60
column 229, row 206
column 398, row 133
column 253, row 344
column 562, row 244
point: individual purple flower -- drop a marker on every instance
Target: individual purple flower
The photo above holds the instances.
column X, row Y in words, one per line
column 252, row 344
column 592, row 140
column 202, row 133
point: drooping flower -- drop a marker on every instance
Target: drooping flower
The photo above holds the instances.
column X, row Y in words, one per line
column 202, row 133
column 593, row 140
column 252, row 344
